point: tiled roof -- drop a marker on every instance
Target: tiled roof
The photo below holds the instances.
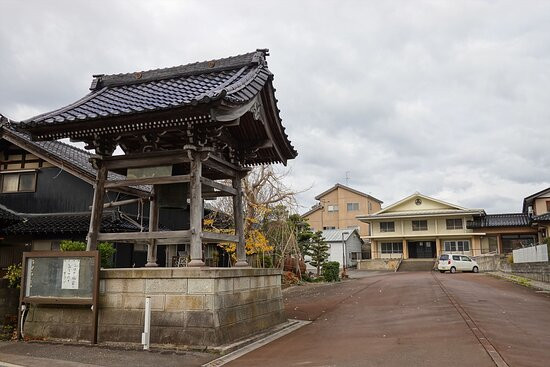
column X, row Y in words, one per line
column 421, row 213
column 232, row 82
column 235, row 79
column 66, row 153
column 501, row 220
column 67, row 223
column 542, row 218
column 7, row 217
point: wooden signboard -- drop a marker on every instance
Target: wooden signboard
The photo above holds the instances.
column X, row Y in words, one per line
column 64, row 278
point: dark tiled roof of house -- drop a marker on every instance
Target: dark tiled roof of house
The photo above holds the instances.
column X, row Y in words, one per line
column 501, row 220
column 67, row 154
column 542, row 218
column 67, row 223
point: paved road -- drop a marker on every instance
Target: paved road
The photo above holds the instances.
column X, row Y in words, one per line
column 407, row 319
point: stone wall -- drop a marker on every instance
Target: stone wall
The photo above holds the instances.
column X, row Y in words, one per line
column 378, row 264
column 190, row 307
column 493, row 262
column 9, row 299
column 539, row 271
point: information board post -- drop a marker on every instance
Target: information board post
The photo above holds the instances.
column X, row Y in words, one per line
column 62, row 278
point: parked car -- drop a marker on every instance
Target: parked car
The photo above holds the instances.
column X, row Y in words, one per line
column 454, row 262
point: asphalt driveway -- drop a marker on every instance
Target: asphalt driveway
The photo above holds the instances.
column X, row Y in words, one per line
column 413, row 319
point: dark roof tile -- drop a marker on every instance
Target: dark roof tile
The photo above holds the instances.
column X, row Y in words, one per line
column 67, row 223
column 501, row 220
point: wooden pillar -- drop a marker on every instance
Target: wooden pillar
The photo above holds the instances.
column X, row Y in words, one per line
column 196, row 211
column 405, row 249
column 499, row 243
column 97, row 206
column 153, row 227
column 238, row 215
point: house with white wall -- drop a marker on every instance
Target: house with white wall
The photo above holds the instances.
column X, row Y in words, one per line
column 341, row 241
column 420, row 226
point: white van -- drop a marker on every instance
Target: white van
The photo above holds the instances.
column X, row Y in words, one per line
column 454, row 262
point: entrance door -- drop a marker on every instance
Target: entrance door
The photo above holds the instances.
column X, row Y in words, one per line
column 421, row 249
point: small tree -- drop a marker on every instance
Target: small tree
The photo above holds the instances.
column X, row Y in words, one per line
column 317, row 249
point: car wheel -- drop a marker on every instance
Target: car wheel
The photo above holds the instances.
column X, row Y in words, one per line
column 453, row 270
column 475, row 269
column 442, row 271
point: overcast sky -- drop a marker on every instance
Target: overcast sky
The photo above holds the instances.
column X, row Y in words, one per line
column 448, row 98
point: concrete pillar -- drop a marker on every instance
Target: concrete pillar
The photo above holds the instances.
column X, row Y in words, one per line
column 476, row 246
column 405, row 249
column 374, row 249
column 437, row 247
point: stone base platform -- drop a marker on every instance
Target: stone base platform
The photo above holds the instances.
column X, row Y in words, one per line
column 191, row 307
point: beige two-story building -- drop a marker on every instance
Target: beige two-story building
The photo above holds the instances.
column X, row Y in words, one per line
column 422, row 227
column 338, row 208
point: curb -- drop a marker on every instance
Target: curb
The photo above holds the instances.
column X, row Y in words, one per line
column 247, row 346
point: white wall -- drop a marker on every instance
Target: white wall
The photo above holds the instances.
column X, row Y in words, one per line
column 353, row 244
column 531, row 254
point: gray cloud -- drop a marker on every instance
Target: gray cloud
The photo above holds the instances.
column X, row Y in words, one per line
column 445, row 98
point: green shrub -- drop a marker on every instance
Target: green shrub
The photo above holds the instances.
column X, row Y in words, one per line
column 13, row 275
column 68, row 245
column 331, row 271
column 106, row 250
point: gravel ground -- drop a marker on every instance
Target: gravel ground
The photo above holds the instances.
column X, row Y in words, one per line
column 50, row 354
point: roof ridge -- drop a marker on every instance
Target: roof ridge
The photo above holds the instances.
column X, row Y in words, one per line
column 201, row 67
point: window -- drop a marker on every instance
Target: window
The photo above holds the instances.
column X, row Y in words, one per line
column 456, row 258
column 332, row 208
column 513, row 242
column 392, row 247
column 387, row 227
column 419, row 225
column 353, row 207
column 444, row 257
column 18, row 182
column 465, row 258
column 370, row 207
column 454, row 223
column 548, row 206
column 356, row 256
column 329, row 227
column 452, row 246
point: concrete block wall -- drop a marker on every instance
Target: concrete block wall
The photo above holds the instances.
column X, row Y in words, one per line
column 539, row 271
column 378, row 264
column 190, row 307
